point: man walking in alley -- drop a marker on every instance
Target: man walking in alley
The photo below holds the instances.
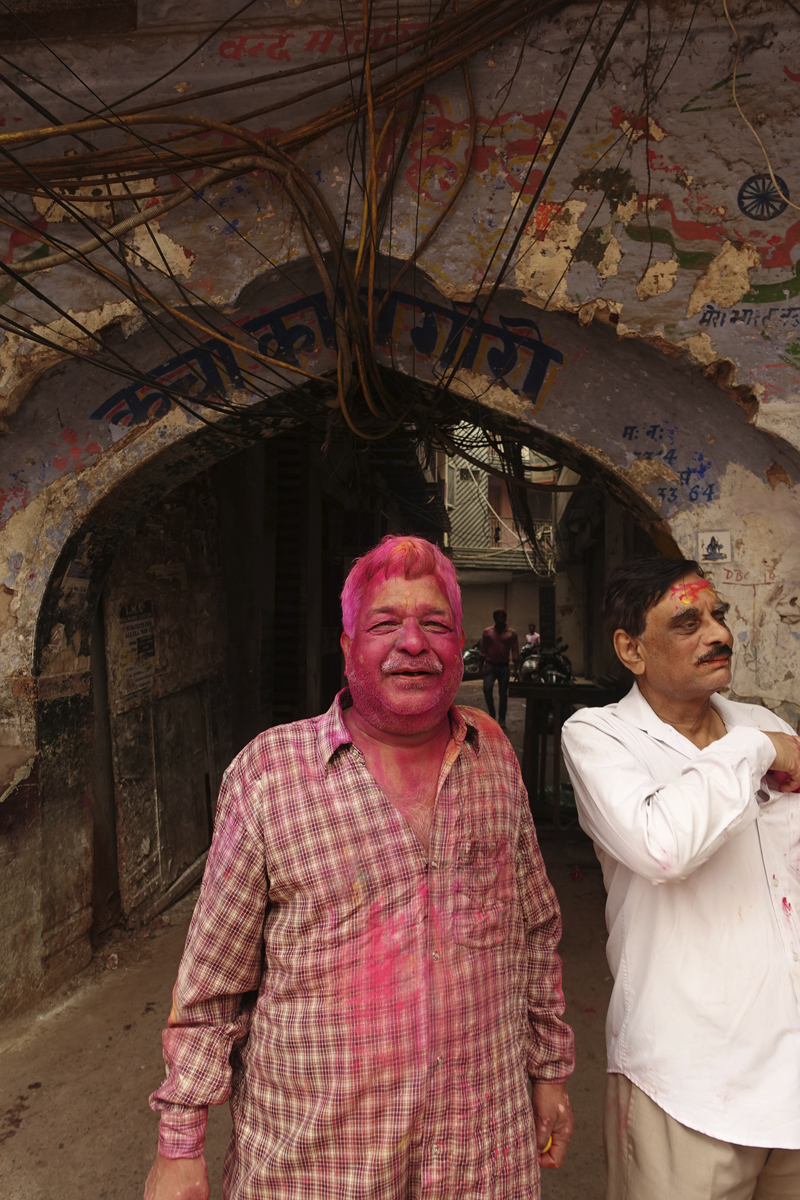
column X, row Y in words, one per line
column 689, row 798
column 499, row 646
column 371, row 974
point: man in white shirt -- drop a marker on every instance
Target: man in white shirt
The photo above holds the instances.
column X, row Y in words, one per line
column 689, row 799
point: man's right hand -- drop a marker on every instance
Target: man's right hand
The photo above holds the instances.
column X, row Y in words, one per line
column 177, row 1179
column 787, row 760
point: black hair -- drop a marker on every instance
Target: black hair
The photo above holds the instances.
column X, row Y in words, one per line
column 499, row 612
column 633, row 589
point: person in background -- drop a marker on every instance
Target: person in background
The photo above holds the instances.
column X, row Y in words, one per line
column 499, row 648
column 371, row 975
column 689, row 798
column 532, row 637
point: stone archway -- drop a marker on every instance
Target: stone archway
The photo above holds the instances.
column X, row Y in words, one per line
column 662, row 439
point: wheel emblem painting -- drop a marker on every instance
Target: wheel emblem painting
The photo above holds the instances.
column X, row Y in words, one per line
column 760, row 200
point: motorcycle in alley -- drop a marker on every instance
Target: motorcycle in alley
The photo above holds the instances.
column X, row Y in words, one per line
column 472, row 661
column 548, row 664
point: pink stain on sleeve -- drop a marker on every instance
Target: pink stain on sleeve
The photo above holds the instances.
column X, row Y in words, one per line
column 787, row 907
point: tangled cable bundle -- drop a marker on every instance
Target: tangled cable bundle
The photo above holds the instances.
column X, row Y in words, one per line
column 117, row 148
column 384, row 82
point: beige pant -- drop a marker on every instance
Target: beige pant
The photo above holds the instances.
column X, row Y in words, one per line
column 651, row 1156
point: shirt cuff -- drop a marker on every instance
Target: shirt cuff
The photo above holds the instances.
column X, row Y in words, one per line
column 182, row 1132
column 754, row 745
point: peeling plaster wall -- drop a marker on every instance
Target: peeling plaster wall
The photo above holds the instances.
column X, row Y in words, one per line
column 647, row 332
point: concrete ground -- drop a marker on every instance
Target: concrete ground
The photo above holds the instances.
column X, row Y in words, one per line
column 75, row 1073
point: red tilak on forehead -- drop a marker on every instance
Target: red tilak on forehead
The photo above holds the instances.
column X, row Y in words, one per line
column 687, row 593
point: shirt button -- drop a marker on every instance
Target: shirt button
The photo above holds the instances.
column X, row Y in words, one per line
column 435, row 956
column 439, row 1060
column 436, row 1149
column 435, row 865
column 774, row 881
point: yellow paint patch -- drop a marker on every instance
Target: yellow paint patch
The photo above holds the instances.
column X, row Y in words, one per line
column 88, row 201
column 546, row 251
column 701, row 349
column 727, row 279
column 609, row 264
column 152, row 248
column 659, row 278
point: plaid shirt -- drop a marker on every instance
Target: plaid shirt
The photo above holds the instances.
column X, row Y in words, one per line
column 372, row 1016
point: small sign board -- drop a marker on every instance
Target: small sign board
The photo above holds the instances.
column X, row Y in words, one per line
column 138, row 658
column 714, row 546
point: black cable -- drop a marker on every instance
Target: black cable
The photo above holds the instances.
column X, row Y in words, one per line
column 627, row 138
column 84, row 261
column 120, row 261
column 444, row 385
column 78, row 216
column 144, row 141
column 84, row 333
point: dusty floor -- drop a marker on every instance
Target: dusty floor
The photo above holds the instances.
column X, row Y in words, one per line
column 76, row 1072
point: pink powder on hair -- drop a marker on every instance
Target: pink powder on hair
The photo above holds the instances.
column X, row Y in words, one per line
column 411, row 557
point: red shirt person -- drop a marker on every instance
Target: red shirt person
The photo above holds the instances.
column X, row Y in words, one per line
column 371, row 976
column 499, row 644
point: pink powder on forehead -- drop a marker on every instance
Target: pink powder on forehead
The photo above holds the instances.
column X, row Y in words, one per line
column 687, row 593
column 411, row 557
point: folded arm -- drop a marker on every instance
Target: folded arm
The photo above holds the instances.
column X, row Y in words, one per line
column 664, row 831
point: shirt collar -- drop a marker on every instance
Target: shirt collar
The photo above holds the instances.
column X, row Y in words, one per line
column 634, row 709
column 333, row 732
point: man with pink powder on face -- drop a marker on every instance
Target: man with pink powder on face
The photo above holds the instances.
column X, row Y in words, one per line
column 371, row 975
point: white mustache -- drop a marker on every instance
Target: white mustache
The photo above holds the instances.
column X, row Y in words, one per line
column 423, row 662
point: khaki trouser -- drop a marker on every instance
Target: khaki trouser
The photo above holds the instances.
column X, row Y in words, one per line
column 651, row 1156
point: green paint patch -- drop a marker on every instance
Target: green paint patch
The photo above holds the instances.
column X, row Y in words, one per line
column 774, row 293
column 791, row 355
column 8, row 291
column 640, row 233
column 618, row 184
column 688, row 260
column 593, row 245
column 692, row 106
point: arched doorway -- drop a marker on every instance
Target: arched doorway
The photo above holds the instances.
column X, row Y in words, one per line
column 666, row 444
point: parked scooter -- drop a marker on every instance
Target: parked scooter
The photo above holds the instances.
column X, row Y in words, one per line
column 529, row 657
column 472, row 661
column 554, row 666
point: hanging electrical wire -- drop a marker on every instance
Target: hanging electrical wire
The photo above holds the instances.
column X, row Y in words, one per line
column 124, row 158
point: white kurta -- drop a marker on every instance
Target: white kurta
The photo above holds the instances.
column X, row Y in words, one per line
column 701, row 862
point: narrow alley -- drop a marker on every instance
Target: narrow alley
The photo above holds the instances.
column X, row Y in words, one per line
column 281, row 278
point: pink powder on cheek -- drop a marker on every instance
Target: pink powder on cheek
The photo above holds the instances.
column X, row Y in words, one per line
column 372, row 699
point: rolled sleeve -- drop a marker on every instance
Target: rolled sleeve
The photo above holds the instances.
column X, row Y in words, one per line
column 182, row 1132
column 219, row 972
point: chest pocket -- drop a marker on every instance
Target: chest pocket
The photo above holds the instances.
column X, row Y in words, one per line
column 483, row 891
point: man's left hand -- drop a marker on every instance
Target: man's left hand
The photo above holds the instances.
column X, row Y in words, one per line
column 552, row 1115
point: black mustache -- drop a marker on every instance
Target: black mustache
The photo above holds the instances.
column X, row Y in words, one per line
column 718, row 653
